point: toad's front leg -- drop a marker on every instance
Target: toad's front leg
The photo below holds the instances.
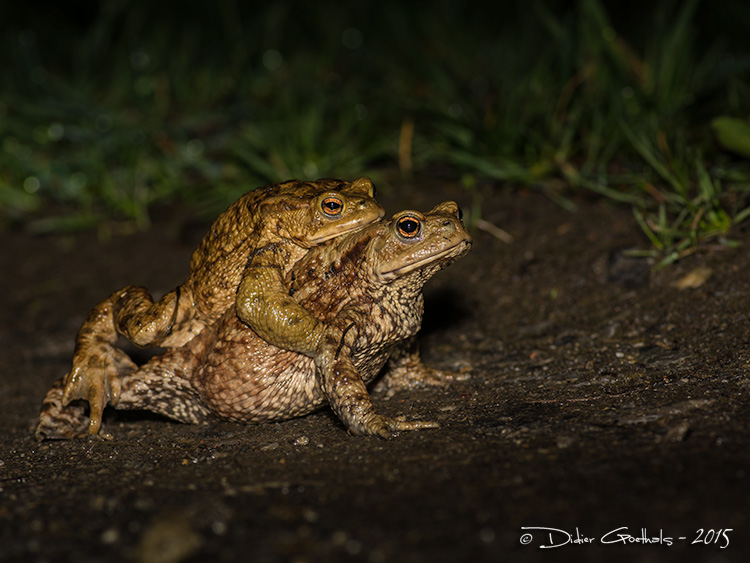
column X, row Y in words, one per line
column 263, row 303
column 348, row 396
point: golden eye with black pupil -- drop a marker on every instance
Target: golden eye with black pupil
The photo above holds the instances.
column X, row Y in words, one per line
column 408, row 227
column 332, row 206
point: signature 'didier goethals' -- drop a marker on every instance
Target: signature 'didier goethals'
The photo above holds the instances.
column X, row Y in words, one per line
column 548, row 538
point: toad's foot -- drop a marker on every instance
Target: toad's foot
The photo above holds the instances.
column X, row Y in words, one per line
column 406, row 378
column 406, row 371
column 95, row 377
column 386, row 427
column 58, row 422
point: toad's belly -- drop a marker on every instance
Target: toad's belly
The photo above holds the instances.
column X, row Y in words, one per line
column 247, row 383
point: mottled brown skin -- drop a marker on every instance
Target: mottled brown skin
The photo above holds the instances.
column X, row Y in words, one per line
column 366, row 286
column 247, row 252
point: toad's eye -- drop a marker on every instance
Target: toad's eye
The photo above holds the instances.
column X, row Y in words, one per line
column 408, row 227
column 332, row 206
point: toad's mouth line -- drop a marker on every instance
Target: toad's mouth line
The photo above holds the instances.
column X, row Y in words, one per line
column 345, row 229
column 428, row 260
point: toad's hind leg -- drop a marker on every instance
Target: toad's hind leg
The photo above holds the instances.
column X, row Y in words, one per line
column 97, row 364
column 160, row 386
column 406, row 371
column 130, row 311
column 154, row 388
column 146, row 322
column 57, row 421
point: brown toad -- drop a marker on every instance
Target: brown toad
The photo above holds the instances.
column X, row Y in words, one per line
column 252, row 244
column 367, row 284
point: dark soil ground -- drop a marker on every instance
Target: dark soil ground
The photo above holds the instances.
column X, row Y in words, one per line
column 602, row 398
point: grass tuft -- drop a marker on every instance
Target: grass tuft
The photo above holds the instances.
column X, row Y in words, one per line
column 105, row 114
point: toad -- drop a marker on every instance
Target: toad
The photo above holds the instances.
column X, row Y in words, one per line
column 368, row 285
column 252, row 245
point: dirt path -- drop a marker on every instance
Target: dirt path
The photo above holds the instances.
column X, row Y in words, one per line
column 602, row 398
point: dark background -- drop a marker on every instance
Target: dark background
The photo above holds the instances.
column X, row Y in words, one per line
column 603, row 391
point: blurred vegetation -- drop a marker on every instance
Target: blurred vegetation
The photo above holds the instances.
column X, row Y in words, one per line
column 110, row 108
